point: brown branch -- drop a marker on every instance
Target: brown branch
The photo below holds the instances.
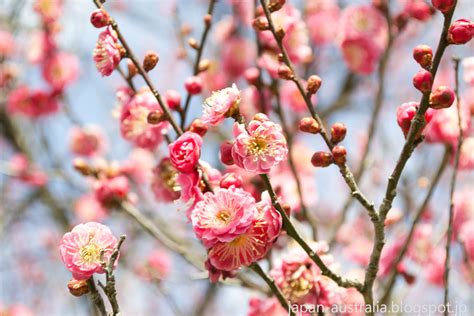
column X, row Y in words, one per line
column 418, row 215
column 200, row 50
column 273, row 287
column 289, row 137
column 291, row 231
column 343, row 168
column 453, row 185
column 96, row 297
column 410, row 144
column 142, row 72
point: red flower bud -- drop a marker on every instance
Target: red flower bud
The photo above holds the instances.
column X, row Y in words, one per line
column 314, row 83
column 423, row 54
column 405, row 114
column 441, row 98
column 231, row 179
column 443, row 5
column 78, row 287
column 284, row 72
column 150, row 60
column 173, row 99
column 321, row 159
column 460, row 32
column 132, row 69
column 338, row 133
column 193, row 85
column 275, row 5
column 339, row 155
column 423, row 80
column 199, row 127
column 99, row 18
column 309, row 125
column 251, row 75
column 226, row 153
column 155, row 117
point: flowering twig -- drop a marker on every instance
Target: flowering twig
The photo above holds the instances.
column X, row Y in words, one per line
column 288, row 134
column 343, row 168
column 274, row 288
column 374, row 116
column 200, row 49
column 408, row 148
column 96, row 297
column 109, row 287
column 291, row 231
column 142, row 72
column 418, row 215
column 453, row 184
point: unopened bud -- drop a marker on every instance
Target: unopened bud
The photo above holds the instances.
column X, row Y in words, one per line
column 280, row 33
column 226, row 153
column 339, row 155
column 280, row 58
column 155, row 117
column 81, row 166
column 231, row 179
column 460, row 32
column 252, row 75
column 150, row 60
column 100, row 18
column 338, row 133
column 441, row 98
column 193, row 85
column 173, row 99
column 309, row 125
column 132, row 69
column 275, row 5
column 423, row 54
column 286, row 208
column 313, row 85
column 193, row 43
column 443, row 5
column 204, row 65
column 199, row 127
column 321, row 159
column 78, row 287
column 207, row 20
column 284, row 72
column 423, row 81
column 260, row 24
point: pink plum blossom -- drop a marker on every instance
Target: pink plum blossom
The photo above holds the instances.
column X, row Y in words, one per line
column 111, row 190
column 221, row 104
column 157, row 266
column 106, row 53
column 259, row 147
column 134, row 120
column 31, row 103
column 234, row 62
column 185, row 152
column 164, row 182
column 61, row 70
column 321, row 20
column 26, row 172
column 87, row 141
column 82, row 248
column 87, row 208
column 223, row 215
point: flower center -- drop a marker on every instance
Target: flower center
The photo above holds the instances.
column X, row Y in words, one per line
column 90, row 253
column 223, row 216
column 257, row 146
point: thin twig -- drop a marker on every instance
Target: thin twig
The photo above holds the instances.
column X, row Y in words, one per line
column 343, row 168
column 200, row 50
column 96, row 297
column 410, row 144
column 418, row 215
column 291, row 163
column 273, row 287
column 291, row 231
column 453, row 185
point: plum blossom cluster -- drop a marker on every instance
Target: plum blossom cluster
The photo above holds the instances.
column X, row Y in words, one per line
column 59, row 69
column 235, row 229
